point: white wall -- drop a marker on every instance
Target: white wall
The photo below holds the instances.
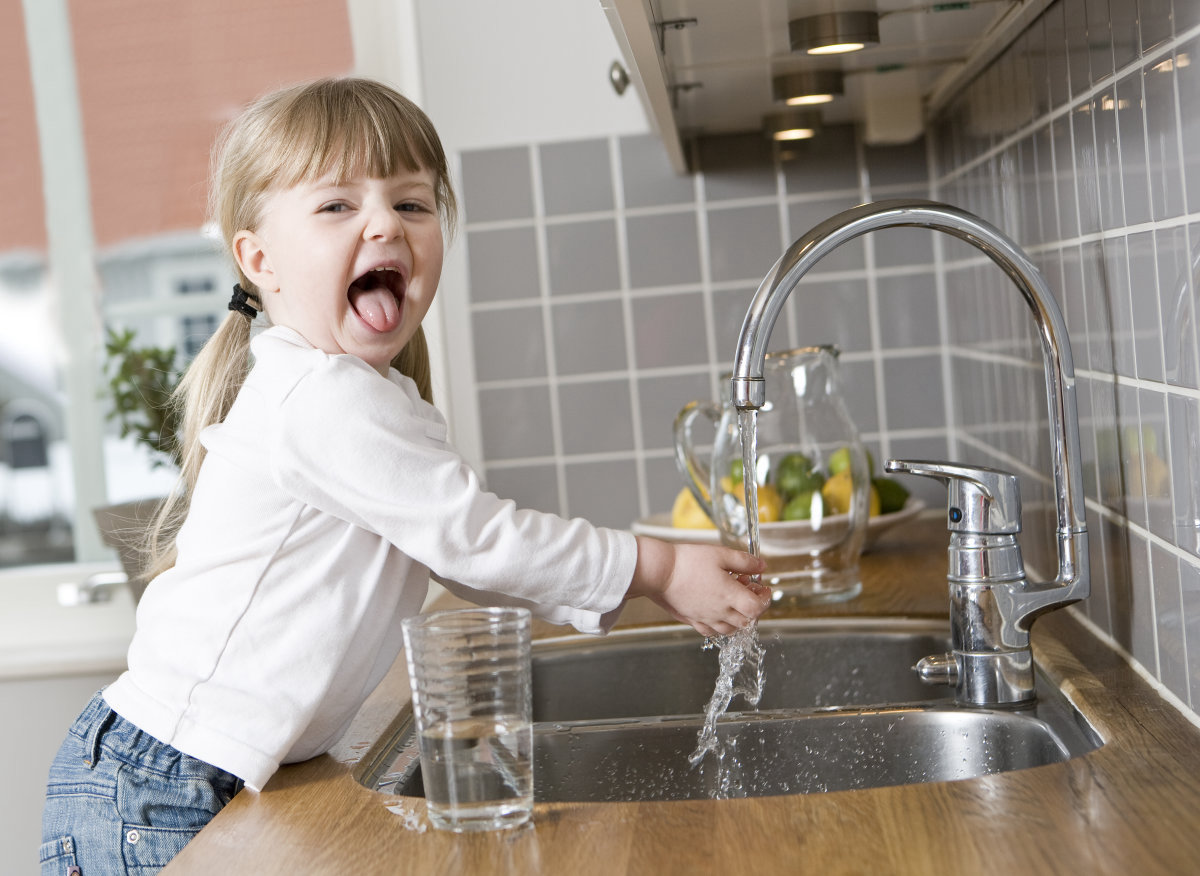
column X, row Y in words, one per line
column 528, row 71
column 497, row 74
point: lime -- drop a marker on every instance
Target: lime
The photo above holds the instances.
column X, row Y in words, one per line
column 735, row 471
column 839, row 461
column 892, row 494
column 795, row 474
column 804, row 506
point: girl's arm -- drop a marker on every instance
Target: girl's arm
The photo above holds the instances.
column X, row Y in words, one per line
column 705, row 586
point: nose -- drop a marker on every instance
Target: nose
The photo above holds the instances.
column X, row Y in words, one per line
column 383, row 223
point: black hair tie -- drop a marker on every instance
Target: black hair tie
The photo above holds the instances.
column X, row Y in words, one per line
column 243, row 301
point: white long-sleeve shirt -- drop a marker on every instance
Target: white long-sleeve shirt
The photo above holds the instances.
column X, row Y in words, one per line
column 326, row 496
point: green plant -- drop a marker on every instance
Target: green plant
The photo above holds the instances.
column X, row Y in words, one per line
column 140, row 382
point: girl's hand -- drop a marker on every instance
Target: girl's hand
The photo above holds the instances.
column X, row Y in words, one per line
column 707, row 587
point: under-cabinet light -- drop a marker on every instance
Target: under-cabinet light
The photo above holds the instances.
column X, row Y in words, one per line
column 832, row 33
column 808, row 87
column 792, row 124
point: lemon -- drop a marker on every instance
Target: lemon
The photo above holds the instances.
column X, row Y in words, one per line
column 1157, row 479
column 839, row 490
column 686, row 513
column 1158, row 475
column 770, row 503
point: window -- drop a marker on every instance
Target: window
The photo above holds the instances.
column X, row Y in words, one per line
column 196, row 330
column 33, row 512
column 192, row 285
column 25, row 442
column 145, row 171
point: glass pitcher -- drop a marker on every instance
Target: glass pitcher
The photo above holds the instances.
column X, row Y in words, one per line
column 812, row 475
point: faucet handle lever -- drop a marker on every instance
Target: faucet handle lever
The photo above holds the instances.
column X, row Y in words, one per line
column 979, row 499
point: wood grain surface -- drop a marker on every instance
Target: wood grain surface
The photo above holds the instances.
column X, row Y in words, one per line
column 1131, row 806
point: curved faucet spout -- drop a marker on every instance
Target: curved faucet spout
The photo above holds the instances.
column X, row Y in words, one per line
column 801, row 256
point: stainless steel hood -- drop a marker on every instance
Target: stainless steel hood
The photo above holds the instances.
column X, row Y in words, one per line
column 706, row 66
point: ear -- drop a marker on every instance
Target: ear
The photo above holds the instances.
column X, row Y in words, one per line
column 250, row 251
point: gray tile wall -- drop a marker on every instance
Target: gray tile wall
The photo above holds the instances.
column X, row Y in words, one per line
column 606, row 292
column 1093, row 166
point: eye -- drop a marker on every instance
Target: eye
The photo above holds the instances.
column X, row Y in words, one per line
column 412, row 207
column 334, row 207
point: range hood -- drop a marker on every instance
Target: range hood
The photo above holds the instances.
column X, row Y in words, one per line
column 705, row 67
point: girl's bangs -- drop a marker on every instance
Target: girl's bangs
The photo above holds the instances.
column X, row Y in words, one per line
column 355, row 140
column 327, row 130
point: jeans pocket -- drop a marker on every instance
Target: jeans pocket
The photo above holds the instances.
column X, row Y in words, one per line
column 148, row 849
column 160, row 814
column 57, row 857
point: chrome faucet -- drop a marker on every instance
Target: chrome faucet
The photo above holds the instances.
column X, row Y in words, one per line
column 992, row 604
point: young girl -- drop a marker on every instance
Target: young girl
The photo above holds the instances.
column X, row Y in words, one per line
column 319, row 493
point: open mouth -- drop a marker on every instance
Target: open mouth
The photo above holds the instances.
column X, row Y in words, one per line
column 377, row 297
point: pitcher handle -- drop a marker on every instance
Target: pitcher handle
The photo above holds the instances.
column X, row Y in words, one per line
column 695, row 473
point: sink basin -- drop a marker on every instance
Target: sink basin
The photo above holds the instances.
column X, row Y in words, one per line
column 616, row 718
column 774, row 753
column 664, row 671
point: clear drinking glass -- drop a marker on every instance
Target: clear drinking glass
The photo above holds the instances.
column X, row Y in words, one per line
column 470, row 676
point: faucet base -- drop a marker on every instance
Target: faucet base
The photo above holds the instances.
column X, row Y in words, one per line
column 991, row 680
column 995, row 680
column 938, row 669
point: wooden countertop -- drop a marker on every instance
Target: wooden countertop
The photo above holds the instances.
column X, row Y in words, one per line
column 1131, row 806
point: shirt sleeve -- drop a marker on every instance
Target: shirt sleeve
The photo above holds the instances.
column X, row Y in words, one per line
column 357, row 445
column 593, row 622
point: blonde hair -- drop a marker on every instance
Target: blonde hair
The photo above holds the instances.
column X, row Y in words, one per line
column 344, row 127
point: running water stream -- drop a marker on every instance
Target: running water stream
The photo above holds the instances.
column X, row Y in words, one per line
column 741, row 653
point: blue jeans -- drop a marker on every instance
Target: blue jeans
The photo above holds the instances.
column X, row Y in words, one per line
column 119, row 801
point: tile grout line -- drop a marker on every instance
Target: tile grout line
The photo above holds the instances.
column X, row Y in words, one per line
column 700, row 206
column 627, row 317
column 544, row 294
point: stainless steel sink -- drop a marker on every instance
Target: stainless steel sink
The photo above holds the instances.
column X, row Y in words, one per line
column 788, row 753
column 616, row 718
column 664, row 671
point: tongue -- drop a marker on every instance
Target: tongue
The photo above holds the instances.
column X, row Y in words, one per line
column 376, row 307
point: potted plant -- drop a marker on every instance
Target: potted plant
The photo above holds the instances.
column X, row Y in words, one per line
column 140, row 381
